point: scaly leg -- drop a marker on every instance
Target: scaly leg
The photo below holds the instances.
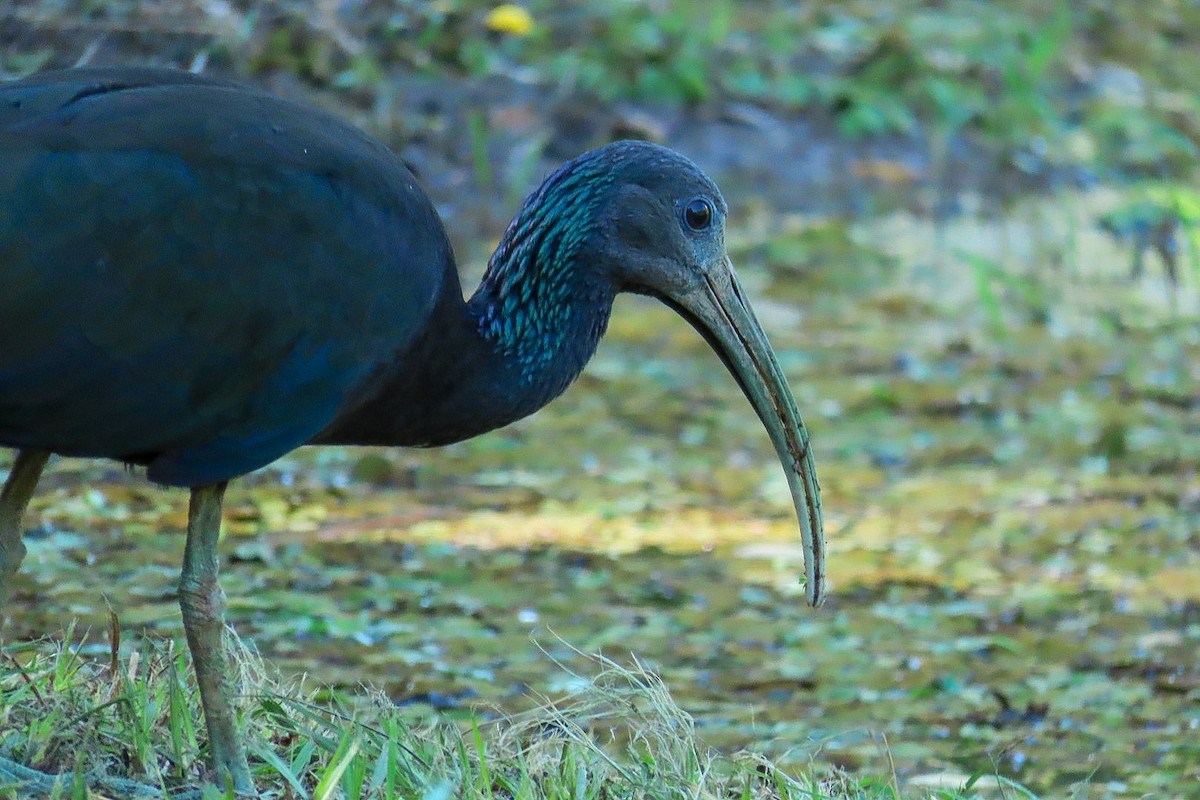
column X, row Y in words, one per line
column 13, row 498
column 203, row 605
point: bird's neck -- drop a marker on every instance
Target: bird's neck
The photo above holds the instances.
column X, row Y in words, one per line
column 521, row 339
column 541, row 307
column 528, row 340
column 518, row 343
column 539, row 312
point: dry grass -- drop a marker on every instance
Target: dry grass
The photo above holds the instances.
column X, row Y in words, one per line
column 128, row 726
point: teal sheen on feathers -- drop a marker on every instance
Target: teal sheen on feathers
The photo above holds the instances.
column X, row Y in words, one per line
column 526, row 300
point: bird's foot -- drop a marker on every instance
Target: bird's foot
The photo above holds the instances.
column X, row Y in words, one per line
column 31, row 783
column 234, row 770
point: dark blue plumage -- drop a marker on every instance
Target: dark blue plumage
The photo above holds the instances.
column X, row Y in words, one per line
column 162, row 245
column 198, row 277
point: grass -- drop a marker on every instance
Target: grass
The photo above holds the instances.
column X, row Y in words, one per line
column 128, row 727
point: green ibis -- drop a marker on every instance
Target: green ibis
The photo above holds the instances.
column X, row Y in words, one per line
column 197, row 277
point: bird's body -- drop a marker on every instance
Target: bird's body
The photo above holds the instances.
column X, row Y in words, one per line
column 198, row 277
column 162, row 244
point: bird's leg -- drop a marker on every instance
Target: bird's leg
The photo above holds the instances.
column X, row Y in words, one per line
column 203, row 605
column 14, row 497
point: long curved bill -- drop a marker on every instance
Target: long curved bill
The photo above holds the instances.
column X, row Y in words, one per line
column 718, row 309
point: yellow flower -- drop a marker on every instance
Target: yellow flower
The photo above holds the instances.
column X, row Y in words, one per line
column 510, row 18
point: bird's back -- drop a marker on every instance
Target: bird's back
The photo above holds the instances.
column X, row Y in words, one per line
column 196, row 275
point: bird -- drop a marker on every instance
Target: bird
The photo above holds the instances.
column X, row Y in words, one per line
column 197, row 277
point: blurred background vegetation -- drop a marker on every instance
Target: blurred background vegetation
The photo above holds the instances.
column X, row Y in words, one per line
column 1081, row 91
column 970, row 229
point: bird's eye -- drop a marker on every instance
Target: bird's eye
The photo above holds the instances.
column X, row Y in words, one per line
column 698, row 214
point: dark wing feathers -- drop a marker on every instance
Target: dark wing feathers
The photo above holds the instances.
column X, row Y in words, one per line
column 194, row 275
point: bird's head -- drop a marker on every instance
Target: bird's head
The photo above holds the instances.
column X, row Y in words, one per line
column 637, row 217
column 659, row 230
